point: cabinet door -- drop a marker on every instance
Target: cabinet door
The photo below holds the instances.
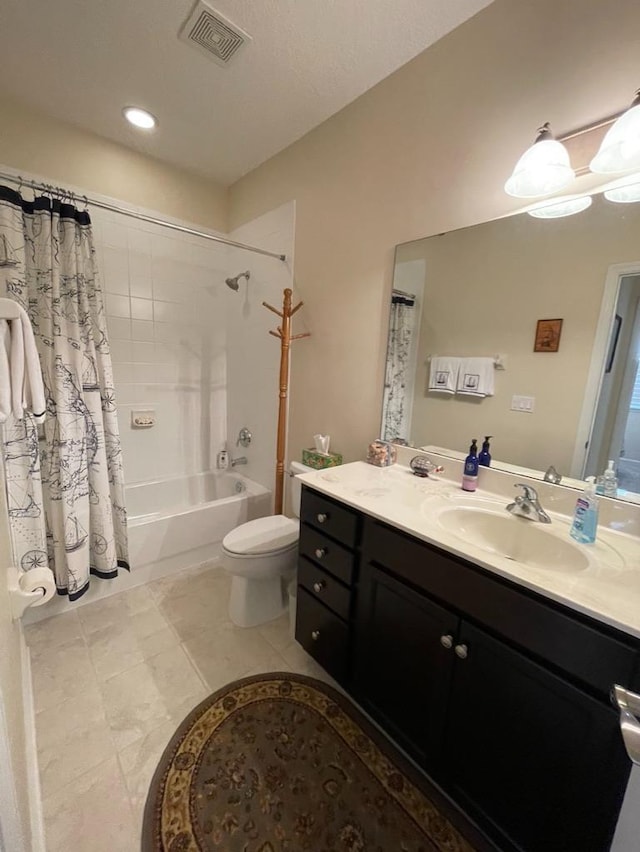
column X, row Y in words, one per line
column 402, row 670
column 530, row 752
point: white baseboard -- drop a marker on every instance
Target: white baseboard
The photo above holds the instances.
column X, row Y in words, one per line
column 31, row 753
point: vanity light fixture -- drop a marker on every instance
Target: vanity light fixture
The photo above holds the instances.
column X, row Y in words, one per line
column 625, row 190
column 620, row 148
column 140, row 118
column 556, row 208
column 543, row 169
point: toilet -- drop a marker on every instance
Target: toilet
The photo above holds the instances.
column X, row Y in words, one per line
column 261, row 558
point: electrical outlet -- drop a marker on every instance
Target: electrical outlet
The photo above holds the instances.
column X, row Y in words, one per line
column 524, row 404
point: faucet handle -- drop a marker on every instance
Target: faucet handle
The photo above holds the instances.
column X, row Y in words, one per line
column 530, row 492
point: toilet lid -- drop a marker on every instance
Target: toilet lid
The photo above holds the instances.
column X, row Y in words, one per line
column 264, row 535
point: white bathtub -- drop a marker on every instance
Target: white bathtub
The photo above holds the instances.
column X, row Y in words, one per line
column 183, row 520
column 173, row 524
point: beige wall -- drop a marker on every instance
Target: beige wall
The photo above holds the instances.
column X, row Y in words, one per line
column 39, row 144
column 427, row 150
column 486, row 287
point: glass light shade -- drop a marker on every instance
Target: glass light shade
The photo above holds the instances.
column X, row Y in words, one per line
column 620, row 148
column 556, row 208
column 542, row 169
column 624, row 191
column 140, row 118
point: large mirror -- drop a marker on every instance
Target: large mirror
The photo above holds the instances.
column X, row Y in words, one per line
column 480, row 292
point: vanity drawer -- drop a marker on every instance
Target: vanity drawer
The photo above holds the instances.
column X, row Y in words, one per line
column 334, row 520
column 597, row 656
column 325, row 552
column 324, row 587
column 322, row 634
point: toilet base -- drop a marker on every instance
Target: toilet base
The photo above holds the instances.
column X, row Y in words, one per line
column 253, row 602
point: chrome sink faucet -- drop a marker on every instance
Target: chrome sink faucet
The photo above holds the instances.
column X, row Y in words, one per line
column 528, row 506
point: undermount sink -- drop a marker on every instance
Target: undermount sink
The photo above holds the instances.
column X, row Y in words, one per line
column 513, row 538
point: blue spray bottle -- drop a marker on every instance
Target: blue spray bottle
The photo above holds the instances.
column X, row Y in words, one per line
column 485, row 456
column 470, row 474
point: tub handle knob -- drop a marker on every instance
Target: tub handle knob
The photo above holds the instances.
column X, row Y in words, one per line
column 319, row 586
column 321, row 552
column 315, row 635
column 322, row 517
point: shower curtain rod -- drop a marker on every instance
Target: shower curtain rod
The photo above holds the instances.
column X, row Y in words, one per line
column 114, row 208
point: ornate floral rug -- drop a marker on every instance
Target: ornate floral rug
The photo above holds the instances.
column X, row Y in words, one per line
column 284, row 763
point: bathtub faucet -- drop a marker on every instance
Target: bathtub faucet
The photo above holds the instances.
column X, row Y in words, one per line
column 239, row 460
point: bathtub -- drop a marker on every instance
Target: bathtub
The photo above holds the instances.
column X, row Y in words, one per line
column 173, row 524
column 181, row 521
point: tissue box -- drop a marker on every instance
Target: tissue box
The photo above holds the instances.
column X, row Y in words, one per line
column 319, row 461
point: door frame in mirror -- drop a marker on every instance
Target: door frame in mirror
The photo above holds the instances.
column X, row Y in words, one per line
column 615, row 273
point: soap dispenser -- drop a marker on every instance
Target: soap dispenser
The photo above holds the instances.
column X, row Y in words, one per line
column 485, row 456
column 585, row 520
column 470, row 474
column 222, row 459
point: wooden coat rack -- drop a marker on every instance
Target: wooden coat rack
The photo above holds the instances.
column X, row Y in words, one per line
column 284, row 333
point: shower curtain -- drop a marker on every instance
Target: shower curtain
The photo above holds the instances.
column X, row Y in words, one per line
column 395, row 412
column 65, row 485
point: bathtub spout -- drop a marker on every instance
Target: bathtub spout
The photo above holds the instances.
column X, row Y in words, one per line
column 239, row 460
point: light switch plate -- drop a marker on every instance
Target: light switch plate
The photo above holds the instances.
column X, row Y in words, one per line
column 525, row 404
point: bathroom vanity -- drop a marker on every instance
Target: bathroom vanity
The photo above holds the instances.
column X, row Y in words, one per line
column 492, row 672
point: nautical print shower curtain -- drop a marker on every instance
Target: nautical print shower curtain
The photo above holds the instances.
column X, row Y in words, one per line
column 65, row 485
column 395, row 425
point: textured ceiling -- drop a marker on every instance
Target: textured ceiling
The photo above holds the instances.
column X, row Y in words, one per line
column 83, row 60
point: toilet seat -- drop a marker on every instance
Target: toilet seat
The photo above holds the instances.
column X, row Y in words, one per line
column 271, row 535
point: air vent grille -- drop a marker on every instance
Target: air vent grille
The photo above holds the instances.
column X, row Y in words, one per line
column 213, row 34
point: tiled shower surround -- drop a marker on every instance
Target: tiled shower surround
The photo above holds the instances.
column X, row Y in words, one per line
column 187, row 347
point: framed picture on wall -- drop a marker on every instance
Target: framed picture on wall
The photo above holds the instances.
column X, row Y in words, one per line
column 547, row 335
column 613, row 343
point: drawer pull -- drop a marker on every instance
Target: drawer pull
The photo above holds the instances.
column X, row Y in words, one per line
column 320, row 552
column 322, row 517
column 446, row 641
column 461, row 651
column 319, row 586
column 315, row 635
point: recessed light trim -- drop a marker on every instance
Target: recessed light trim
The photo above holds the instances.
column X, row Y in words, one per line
column 140, row 118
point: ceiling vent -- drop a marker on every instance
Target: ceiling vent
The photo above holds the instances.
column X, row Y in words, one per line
column 213, row 34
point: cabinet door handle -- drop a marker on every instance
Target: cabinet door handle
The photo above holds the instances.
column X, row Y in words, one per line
column 319, row 586
column 322, row 517
column 461, row 651
column 320, row 552
column 628, row 703
column 315, row 635
column 446, row 641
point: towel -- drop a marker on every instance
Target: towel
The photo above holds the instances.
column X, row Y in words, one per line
column 21, row 386
column 476, row 377
column 443, row 374
column 5, row 371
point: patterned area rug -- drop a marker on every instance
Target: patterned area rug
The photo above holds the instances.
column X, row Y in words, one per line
column 284, row 763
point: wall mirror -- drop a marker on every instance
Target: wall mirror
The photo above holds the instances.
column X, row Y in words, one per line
column 480, row 292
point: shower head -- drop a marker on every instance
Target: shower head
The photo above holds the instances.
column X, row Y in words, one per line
column 233, row 283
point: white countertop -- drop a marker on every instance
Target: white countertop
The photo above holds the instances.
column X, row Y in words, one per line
column 608, row 589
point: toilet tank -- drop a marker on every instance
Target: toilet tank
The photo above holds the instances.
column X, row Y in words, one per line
column 296, row 485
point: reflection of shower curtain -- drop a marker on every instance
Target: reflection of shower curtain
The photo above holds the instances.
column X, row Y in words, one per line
column 66, row 491
column 394, row 405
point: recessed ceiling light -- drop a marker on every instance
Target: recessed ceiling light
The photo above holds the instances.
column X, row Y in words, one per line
column 140, row 118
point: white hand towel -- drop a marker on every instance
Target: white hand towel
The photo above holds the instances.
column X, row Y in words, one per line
column 27, row 388
column 476, row 377
column 5, row 371
column 443, row 374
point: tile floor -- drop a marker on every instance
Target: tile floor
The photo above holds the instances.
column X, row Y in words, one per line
column 112, row 681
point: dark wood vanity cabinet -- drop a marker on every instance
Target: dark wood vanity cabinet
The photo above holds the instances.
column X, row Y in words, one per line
column 500, row 695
